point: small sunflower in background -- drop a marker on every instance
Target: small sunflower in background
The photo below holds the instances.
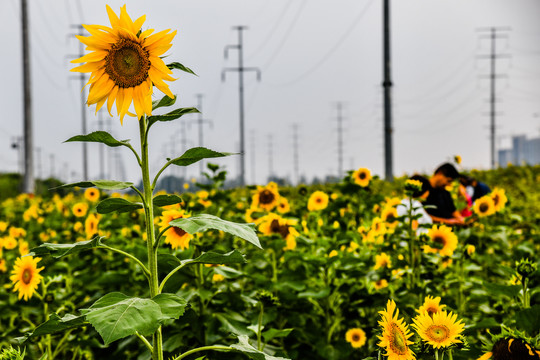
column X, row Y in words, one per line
column 457, row 159
column 283, row 206
column 266, row 197
column 175, row 236
column 356, row 337
column 440, row 330
column 91, row 194
column 443, row 240
column 125, row 63
column 318, row 201
column 395, row 334
column 25, row 276
column 80, row 209
column 431, row 305
column 91, row 225
column 484, row 206
column 362, row 177
column 382, row 261
column 499, row 199
column 389, row 215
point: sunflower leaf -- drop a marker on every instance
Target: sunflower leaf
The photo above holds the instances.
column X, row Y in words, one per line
column 245, row 347
column 178, row 66
column 101, row 137
column 61, row 250
column 164, row 200
column 173, row 115
column 54, row 325
column 165, row 101
column 204, row 222
column 100, row 184
column 196, row 154
column 172, row 306
column 117, row 204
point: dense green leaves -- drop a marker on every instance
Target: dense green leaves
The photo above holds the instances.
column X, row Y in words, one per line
column 100, row 137
column 60, row 250
column 172, row 306
column 245, row 347
column 203, row 222
column 178, row 66
column 100, row 184
column 54, row 325
column 506, row 290
column 196, row 154
column 117, row 204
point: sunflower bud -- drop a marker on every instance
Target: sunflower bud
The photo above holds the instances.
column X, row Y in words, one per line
column 525, row 267
column 412, row 186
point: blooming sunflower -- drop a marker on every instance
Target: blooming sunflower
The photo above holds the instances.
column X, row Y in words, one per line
column 175, row 236
column 275, row 224
column 389, row 215
column 91, row 225
column 380, row 284
column 431, row 306
column 378, row 226
column 382, row 260
column 318, row 201
column 441, row 330
column 125, row 63
column 484, row 206
column 80, row 209
column 395, row 335
column 444, row 238
column 266, row 197
column 356, row 336
column 499, row 199
column 283, row 206
column 25, row 276
column 362, row 177
column 91, row 194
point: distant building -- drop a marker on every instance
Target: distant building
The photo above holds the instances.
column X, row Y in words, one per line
column 523, row 151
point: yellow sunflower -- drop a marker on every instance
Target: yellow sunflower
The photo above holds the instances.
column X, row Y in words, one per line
column 362, row 177
column 125, row 63
column 389, row 215
column 318, row 201
column 275, row 224
column 484, row 206
column 445, row 240
column 91, row 225
column 382, row 260
column 395, row 335
column 80, row 209
column 378, row 226
column 91, row 194
column 266, row 197
column 380, row 284
column 25, row 276
column 499, row 199
column 431, row 305
column 356, row 336
column 175, row 236
column 441, row 330
column 283, row 206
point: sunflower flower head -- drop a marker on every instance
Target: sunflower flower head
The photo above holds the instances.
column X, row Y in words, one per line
column 431, row 305
column 356, row 337
column 318, row 201
column 175, row 236
column 267, row 197
column 25, row 276
column 361, row 177
column 499, row 199
column 395, row 334
column 484, row 206
column 443, row 240
column 125, row 63
column 440, row 330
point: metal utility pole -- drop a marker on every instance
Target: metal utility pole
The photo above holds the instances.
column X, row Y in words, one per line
column 387, row 86
column 39, row 167
column 340, row 138
column 28, row 180
column 295, row 153
column 17, row 143
column 200, row 121
column 270, row 156
column 240, row 69
column 493, row 56
column 82, row 78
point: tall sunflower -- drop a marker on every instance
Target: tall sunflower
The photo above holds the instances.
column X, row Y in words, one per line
column 431, row 305
column 395, row 335
column 484, row 206
column 362, row 177
column 125, row 63
column 25, row 276
column 444, row 240
column 175, row 236
column 441, row 330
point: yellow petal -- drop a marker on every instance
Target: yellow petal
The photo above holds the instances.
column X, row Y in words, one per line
column 112, row 97
column 159, row 65
column 137, row 25
column 137, row 101
column 88, row 67
column 100, row 104
column 112, row 17
column 128, row 97
column 145, row 33
column 125, row 20
column 156, row 37
column 100, row 35
column 91, row 57
column 159, row 50
column 120, row 101
column 102, row 90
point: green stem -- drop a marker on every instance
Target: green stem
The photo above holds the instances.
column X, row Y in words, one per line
column 145, row 341
column 436, row 354
column 274, row 267
column 160, row 171
column 136, row 155
column 138, row 192
column 204, row 348
column 157, row 353
column 526, row 300
column 144, row 268
column 450, row 356
column 172, row 273
column 158, row 238
column 46, row 315
column 259, row 335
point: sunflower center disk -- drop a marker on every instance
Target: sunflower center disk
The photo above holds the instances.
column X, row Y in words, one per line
column 127, row 63
column 178, row 231
column 26, row 276
column 484, row 207
column 437, row 333
column 398, row 343
column 266, row 197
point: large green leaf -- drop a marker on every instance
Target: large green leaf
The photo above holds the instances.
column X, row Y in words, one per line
column 276, row 333
column 178, row 66
column 165, row 101
column 245, row 347
column 203, row 222
column 117, row 204
column 173, row 115
column 167, row 199
column 196, row 154
column 100, row 184
column 100, row 137
column 115, row 316
column 210, row 257
column 54, row 325
column 507, row 290
column 60, row 250
column 529, row 319
column 172, row 306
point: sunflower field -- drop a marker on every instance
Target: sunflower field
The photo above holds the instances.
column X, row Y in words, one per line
column 102, row 269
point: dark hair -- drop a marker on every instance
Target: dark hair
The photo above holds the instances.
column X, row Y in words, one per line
column 465, row 180
column 426, row 185
column 448, row 170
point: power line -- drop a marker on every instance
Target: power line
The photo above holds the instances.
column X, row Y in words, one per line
column 200, row 121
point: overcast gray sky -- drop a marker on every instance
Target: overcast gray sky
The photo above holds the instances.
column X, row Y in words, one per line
column 312, row 54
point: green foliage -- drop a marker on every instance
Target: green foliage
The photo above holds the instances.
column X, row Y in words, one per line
column 117, row 205
column 60, row 250
column 100, row 184
column 100, row 137
column 193, row 155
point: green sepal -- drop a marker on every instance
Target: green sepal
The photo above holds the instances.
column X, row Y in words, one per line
column 196, row 154
column 117, row 204
column 167, row 199
column 54, row 325
column 165, row 101
column 178, row 66
column 100, row 184
column 100, row 137
column 61, row 250
column 203, row 222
